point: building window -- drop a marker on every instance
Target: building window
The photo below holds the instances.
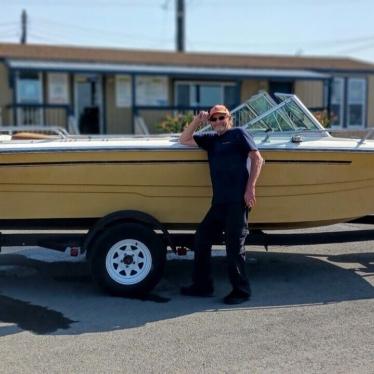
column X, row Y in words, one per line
column 152, row 90
column 183, row 95
column 205, row 94
column 209, row 94
column 29, row 88
column 231, row 95
column 356, row 102
column 337, row 98
column 29, row 92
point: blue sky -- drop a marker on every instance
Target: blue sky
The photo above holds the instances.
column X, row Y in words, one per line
column 304, row 27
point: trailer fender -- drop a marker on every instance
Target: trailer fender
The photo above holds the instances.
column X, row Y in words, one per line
column 125, row 216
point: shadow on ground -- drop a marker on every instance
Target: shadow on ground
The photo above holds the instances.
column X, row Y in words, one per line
column 59, row 298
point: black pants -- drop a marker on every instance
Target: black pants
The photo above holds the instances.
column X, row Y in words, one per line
column 232, row 220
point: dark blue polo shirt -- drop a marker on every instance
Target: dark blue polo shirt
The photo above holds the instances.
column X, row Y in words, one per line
column 227, row 155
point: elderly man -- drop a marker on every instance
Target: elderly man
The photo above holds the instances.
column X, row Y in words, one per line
column 235, row 165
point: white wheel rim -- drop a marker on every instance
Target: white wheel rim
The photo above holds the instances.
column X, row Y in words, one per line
column 128, row 261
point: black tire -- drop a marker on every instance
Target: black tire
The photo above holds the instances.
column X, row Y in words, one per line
column 127, row 259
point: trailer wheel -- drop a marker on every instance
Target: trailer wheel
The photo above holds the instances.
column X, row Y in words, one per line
column 127, row 259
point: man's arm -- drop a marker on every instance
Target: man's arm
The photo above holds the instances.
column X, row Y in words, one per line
column 256, row 165
column 186, row 137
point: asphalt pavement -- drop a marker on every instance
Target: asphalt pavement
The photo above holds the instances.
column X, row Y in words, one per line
column 312, row 311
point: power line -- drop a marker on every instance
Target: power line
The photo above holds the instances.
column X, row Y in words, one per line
column 364, row 47
column 59, row 30
column 69, row 3
column 8, row 29
column 14, row 34
column 116, row 33
column 40, row 31
column 316, row 43
column 43, row 37
column 288, row 3
column 2, row 24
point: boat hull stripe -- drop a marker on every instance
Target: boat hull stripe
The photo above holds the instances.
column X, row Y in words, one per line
column 58, row 163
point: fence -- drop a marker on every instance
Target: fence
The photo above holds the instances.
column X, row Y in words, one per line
column 39, row 115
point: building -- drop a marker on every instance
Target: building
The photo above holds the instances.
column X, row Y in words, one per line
column 109, row 90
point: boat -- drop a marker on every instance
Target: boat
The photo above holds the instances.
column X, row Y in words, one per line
column 122, row 188
column 310, row 178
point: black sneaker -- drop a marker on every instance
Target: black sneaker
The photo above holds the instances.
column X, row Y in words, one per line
column 236, row 297
column 195, row 290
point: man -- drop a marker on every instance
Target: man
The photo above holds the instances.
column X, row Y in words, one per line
column 230, row 151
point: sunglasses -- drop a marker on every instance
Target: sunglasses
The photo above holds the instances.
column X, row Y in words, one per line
column 214, row 119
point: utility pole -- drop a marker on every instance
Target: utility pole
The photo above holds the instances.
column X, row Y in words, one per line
column 24, row 27
column 180, row 16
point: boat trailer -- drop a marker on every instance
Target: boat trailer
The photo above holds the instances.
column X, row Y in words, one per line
column 72, row 242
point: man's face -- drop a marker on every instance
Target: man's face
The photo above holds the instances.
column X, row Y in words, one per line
column 220, row 122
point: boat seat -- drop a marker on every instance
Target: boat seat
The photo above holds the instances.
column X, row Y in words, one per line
column 32, row 136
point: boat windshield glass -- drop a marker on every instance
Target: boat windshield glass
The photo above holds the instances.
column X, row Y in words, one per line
column 289, row 115
column 282, row 96
column 261, row 113
column 252, row 108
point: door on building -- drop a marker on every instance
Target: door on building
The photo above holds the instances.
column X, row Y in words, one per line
column 89, row 103
column 281, row 86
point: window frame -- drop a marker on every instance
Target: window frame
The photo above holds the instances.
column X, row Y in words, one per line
column 364, row 103
column 193, row 89
column 39, row 99
column 342, row 102
column 21, row 113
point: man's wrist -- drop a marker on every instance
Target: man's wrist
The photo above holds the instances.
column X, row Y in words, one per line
column 250, row 187
column 196, row 122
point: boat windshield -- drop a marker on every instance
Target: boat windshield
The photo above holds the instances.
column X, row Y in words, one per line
column 261, row 113
column 249, row 110
column 289, row 115
column 252, row 108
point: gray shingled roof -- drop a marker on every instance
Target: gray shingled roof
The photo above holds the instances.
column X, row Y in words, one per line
column 69, row 53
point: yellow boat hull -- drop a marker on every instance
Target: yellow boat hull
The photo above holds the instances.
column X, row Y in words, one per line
column 296, row 188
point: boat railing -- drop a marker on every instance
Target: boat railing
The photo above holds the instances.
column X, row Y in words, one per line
column 366, row 136
column 361, row 138
column 298, row 136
